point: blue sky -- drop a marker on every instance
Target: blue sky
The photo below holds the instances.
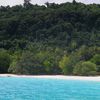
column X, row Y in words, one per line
column 15, row 2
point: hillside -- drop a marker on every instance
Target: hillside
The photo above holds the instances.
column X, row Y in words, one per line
column 67, row 28
column 62, row 24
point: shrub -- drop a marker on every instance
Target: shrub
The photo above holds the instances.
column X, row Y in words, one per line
column 85, row 68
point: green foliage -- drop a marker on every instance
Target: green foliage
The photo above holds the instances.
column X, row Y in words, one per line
column 4, row 61
column 68, row 63
column 28, row 64
column 49, row 59
column 96, row 59
column 63, row 64
column 15, row 57
column 61, row 24
column 38, row 38
column 85, row 68
column 48, row 66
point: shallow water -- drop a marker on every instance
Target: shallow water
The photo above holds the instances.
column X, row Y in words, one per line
column 47, row 89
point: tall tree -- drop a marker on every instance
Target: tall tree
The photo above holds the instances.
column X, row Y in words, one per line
column 74, row 1
column 27, row 2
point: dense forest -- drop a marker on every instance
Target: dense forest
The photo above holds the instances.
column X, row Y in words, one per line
column 50, row 39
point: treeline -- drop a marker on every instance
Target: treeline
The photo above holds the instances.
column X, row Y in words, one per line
column 68, row 24
column 50, row 39
column 43, row 59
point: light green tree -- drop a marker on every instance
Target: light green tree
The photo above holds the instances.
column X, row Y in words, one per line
column 85, row 68
column 63, row 64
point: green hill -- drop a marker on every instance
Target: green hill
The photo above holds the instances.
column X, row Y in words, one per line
column 56, row 29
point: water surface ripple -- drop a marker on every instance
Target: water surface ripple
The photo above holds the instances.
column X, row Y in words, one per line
column 48, row 89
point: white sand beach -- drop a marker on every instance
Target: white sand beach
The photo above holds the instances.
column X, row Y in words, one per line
column 88, row 78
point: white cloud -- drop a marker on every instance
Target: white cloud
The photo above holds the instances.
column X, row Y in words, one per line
column 16, row 2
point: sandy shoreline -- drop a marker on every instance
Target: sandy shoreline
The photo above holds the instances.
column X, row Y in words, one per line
column 90, row 78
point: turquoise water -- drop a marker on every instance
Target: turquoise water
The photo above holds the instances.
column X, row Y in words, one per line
column 48, row 89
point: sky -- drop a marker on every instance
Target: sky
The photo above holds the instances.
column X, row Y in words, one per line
column 41, row 2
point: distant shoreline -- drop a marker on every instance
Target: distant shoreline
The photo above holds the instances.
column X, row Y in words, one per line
column 88, row 78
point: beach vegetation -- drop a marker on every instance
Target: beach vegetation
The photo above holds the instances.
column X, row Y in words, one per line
column 85, row 68
column 50, row 39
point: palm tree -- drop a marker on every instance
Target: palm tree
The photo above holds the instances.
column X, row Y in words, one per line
column 74, row 1
column 27, row 1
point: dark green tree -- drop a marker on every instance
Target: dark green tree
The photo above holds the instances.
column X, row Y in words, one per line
column 74, row 1
column 27, row 1
column 4, row 61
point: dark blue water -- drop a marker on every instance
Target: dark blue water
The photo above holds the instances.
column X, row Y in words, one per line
column 48, row 89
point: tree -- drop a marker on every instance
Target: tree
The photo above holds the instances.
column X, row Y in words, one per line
column 96, row 59
column 85, row 68
column 4, row 61
column 28, row 64
column 15, row 57
column 74, row 1
column 85, row 52
column 72, row 27
column 47, row 4
column 63, row 64
column 48, row 66
column 27, row 1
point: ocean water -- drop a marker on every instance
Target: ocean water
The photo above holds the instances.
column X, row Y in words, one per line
column 48, row 89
